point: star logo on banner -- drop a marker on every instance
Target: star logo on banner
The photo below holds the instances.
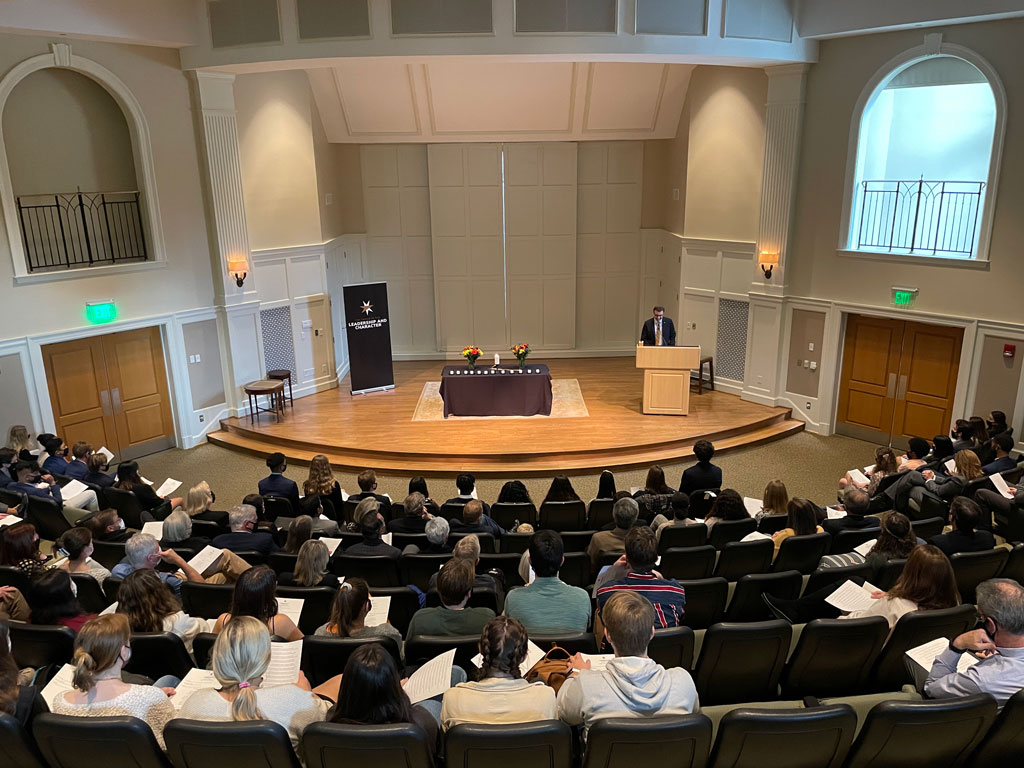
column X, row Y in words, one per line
column 367, row 308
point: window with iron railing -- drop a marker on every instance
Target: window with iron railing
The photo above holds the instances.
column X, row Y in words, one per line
column 76, row 230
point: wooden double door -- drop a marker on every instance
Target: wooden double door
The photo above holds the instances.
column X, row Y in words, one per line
column 898, row 379
column 111, row 390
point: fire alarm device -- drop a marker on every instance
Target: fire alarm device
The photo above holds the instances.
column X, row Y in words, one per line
column 1009, row 351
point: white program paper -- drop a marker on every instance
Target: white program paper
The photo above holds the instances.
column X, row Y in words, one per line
column 195, row 680
column 858, row 477
column 154, row 529
column 378, row 613
column 107, row 454
column 168, row 486
column 59, row 685
column 534, row 653
column 432, row 679
column 206, row 557
column 865, row 548
column 386, row 538
column 112, row 608
column 344, row 496
column 147, row 482
column 291, row 607
column 950, row 466
column 869, row 469
column 598, row 661
column 332, row 544
column 835, row 514
column 753, row 505
column 73, row 488
column 1000, row 485
column 285, row 659
column 852, row 597
column 756, row 536
column 9, row 520
column 924, row 655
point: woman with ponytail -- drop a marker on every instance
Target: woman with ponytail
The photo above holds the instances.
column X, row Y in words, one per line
column 241, row 656
column 101, row 651
column 348, row 615
column 499, row 695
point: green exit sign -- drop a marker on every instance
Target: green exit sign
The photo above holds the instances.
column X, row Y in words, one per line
column 97, row 312
column 903, row 297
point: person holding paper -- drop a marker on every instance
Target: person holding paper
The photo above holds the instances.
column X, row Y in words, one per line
column 311, row 567
column 254, row 595
column 150, row 606
column 77, row 468
column 29, row 481
column 857, row 505
column 244, row 537
column 352, row 604
column 75, row 546
column 452, row 617
column 1004, row 508
column 548, row 605
column 802, row 521
column 102, row 648
column 143, row 552
column 728, row 505
column 22, row 702
column 965, row 535
column 895, row 541
column 945, row 484
column 240, row 658
column 129, row 479
column 371, row 526
column 926, row 584
column 499, row 695
column 999, row 643
column 885, row 464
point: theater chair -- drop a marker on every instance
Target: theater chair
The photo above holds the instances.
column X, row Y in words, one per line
column 672, row 647
column 833, row 657
column 378, row 570
column 316, row 608
column 742, row 662
column 802, row 553
column 688, row 563
column 748, row 605
column 625, row 742
column 202, row 744
column 17, row 749
column 87, row 742
column 705, row 601
column 325, row 657
column 155, row 654
column 90, row 593
column 972, row 568
column 681, row 536
column 542, row 744
column 1004, row 742
column 826, row 576
column 396, row 745
column 818, row 737
column 422, row 648
column 740, row 558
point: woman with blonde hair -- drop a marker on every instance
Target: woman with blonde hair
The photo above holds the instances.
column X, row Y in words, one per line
column 310, row 567
column 774, row 504
column 198, row 501
column 101, row 651
column 321, row 483
column 240, row 659
column 18, row 439
column 885, row 464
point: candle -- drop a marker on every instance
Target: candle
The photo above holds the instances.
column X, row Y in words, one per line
column 497, row 359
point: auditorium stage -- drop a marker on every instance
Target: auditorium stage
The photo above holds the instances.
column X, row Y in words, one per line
column 377, row 430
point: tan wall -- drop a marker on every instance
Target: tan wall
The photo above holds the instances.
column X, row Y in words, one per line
column 656, row 176
column 279, row 171
column 349, row 171
column 998, row 377
column 205, row 378
column 808, row 328
column 70, row 134
column 833, row 86
column 14, row 400
column 327, row 180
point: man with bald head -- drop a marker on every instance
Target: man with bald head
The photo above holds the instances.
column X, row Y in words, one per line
column 475, row 521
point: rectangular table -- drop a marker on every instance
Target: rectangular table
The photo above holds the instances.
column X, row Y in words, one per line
column 490, row 391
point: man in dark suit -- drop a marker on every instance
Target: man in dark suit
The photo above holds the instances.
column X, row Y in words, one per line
column 1003, row 444
column 415, row 518
column 244, row 537
column 77, row 468
column 659, row 331
column 965, row 536
column 856, row 503
column 466, row 483
column 276, row 484
column 367, row 482
column 8, row 459
column 702, row 476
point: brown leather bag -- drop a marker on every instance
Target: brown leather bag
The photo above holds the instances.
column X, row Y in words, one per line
column 552, row 670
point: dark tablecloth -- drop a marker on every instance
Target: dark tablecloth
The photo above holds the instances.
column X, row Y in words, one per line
column 496, row 392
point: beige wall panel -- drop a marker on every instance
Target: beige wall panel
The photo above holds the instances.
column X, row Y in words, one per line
column 559, row 162
column 522, row 210
column 377, row 96
column 590, row 254
column 623, row 208
column 488, row 303
column 383, row 211
column 621, row 311
column 485, row 211
column 702, row 311
column 701, row 269
column 271, row 280
column 526, row 312
column 451, row 257
column 735, row 273
column 488, row 257
column 559, row 255
column 624, row 96
column 448, row 212
column 625, row 162
column 305, row 276
column 524, row 256
column 591, row 213
column 558, row 312
column 807, row 328
column 589, row 311
column 380, row 165
column 559, row 210
column 417, row 256
column 998, row 378
column 522, row 165
column 446, row 164
column 14, row 403
column 415, row 212
column 412, row 166
column 593, row 162
column 385, row 257
column 483, row 164
column 622, row 253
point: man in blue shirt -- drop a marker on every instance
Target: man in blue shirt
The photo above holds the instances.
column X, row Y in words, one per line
column 56, row 463
column 548, row 606
column 77, row 468
column 27, row 480
column 142, row 551
column 475, row 521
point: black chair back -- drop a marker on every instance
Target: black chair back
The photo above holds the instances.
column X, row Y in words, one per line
column 13, row 498
column 348, row 510
column 802, row 553
column 85, row 742
column 739, row 558
column 126, row 504
column 672, row 536
column 206, row 528
column 404, row 603
column 317, row 606
column 417, row 569
column 972, row 568
column 576, row 570
column 275, row 507
column 747, row 603
column 772, row 523
column 422, row 648
column 396, row 745
column 203, row 744
column 207, row 601
column 378, row 570
column 576, row 541
column 1004, row 742
column 823, row 577
column 36, row 645
column 282, row 562
column 742, row 662
column 452, row 510
column 725, row 531
column 581, row 642
column 626, row 742
column 688, row 563
column 202, row 648
column 487, row 543
column 507, row 563
column 931, row 526
column 890, row 573
column 515, row 543
column 672, row 647
column 944, row 732
column 480, row 598
column 914, row 629
column 818, row 737
column 155, row 654
column 90, row 593
column 325, row 657
column 833, row 657
column 403, row 540
column 15, row 577
column 705, row 601
column 542, row 744
column 107, row 553
column 1014, row 568
column 17, row 749
column 252, row 557
column 506, row 514
column 563, row 515
column 849, row 539
column 599, row 513
column 930, row 507
column 46, row 516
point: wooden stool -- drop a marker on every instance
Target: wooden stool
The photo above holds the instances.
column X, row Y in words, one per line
column 711, row 374
column 274, row 392
column 283, row 374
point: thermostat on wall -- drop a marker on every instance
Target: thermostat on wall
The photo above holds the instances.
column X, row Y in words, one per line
column 903, row 297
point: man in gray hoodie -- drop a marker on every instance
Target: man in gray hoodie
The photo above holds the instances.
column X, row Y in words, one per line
column 631, row 684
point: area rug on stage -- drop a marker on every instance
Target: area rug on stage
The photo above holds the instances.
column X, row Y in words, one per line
column 566, row 403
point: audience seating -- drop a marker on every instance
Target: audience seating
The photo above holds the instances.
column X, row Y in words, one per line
column 107, row 553
column 563, row 515
column 705, row 601
column 916, row 628
column 748, row 605
column 833, row 657
column 507, row 563
column 378, row 570
column 206, row 528
column 625, row 742
column 824, row 577
column 348, row 509
column 399, row 540
column 608, row 558
column 317, row 606
column 688, row 563
column 282, row 562
column 802, row 553
column 110, row 587
column 13, row 498
column 889, row 574
column 325, row 657
column 740, row 558
column 506, row 514
column 576, row 569
column 395, row 745
column 417, row 569
column 480, row 598
column 517, row 543
column 90, row 594
column 682, row 536
column 928, row 527
column 725, row 531
column 202, row 744
column 207, row 601
column 581, row 642
column 275, row 507
column 848, row 540
column 451, row 510
column 772, row 523
column 17, row 749
column 972, row 568
column 1014, row 567
column 252, row 557
column 942, row 732
column 404, row 603
column 38, row 646
column 742, row 662
column 423, row 648
column 576, row 541
column 672, row 647
column 46, row 516
column 818, row 737
column 1004, row 742
column 14, row 577
column 87, row 742
column 127, row 506
column 599, row 513
column 202, row 648
column 155, row 654
column 543, row 744
column 487, row 543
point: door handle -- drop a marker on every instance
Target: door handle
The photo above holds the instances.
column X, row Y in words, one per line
column 890, row 390
column 105, row 402
column 901, row 392
column 117, row 400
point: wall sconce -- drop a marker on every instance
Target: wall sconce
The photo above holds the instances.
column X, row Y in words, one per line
column 767, row 262
column 238, row 268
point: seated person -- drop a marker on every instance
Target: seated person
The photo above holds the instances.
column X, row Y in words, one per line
column 916, row 456
column 177, row 533
column 802, row 521
column 655, row 497
column 965, row 535
column 197, row 506
column 774, row 504
column 8, row 459
column 150, row 606
column 499, row 695
column 312, row 507
column 514, row 492
column 728, row 505
column 300, row 530
column 996, row 424
column 75, row 546
column 22, row 702
column 143, row 553
column 244, row 537
column 680, row 506
column 367, row 482
column 468, row 548
column 635, row 572
column 96, row 474
column 19, row 548
column 28, row 480
column 240, row 659
column 371, row 526
column 702, row 476
column 56, row 462
column 885, row 465
column 547, row 605
column 896, row 540
column 129, row 479
column 13, row 605
column 321, row 482
column 857, row 504
column 254, row 595
column 997, row 509
column 452, row 617
column 1001, row 445
column 624, row 512
column 311, row 567
column 416, row 515
column 102, row 648
column 999, row 642
column 276, row 484
column 961, row 434
column 560, row 490
column 938, row 484
column 475, row 521
column 53, row 599
column 78, row 467
column 466, row 484
column 351, row 605
column 631, row 685
column 107, row 525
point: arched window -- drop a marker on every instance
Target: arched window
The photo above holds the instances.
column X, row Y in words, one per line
column 927, row 136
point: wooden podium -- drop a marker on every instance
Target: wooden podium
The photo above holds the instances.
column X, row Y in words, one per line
column 667, row 378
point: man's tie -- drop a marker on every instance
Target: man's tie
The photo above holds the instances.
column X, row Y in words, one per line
column 657, row 333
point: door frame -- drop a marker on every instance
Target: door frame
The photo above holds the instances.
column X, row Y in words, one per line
column 835, row 338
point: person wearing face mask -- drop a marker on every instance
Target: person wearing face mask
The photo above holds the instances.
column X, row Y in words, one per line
column 54, row 600
column 76, row 547
column 107, row 525
column 19, row 548
column 142, row 551
column 129, row 479
column 28, row 480
column 57, row 464
column 243, row 536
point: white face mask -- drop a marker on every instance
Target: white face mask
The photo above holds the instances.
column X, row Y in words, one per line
column 120, row 524
column 74, row 588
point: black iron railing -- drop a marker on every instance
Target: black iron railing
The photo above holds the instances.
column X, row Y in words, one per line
column 71, row 230
column 926, row 217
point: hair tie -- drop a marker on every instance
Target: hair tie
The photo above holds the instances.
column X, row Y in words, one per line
column 244, row 685
column 345, row 585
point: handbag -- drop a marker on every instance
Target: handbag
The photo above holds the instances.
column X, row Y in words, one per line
column 552, row 669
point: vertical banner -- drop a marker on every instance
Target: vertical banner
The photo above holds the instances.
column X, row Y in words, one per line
column 369, row 337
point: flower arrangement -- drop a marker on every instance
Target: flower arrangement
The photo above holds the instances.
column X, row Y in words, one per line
column 521, row 351
column 471, row 354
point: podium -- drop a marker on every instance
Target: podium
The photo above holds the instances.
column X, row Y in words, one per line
column 667, row 378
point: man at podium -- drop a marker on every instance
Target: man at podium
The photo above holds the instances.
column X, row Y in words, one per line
column 659, row 331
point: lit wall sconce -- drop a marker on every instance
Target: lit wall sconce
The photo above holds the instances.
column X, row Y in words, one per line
column 767, row 262
column 238, row 268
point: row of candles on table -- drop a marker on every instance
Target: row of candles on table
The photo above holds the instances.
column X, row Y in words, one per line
column 497, row 362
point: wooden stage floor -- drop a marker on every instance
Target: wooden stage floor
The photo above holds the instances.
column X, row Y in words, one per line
column 376, row 430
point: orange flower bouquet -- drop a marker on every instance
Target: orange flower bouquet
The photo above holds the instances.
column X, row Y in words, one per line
column 471, row 354
column 521, row 351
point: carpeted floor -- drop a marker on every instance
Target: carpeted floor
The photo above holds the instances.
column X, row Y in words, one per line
column 810, row 466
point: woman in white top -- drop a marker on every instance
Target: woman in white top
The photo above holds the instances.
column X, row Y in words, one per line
column 241, row 656
column 101, row 650
column 499, row 695
column 76, row 546
column 150, row 606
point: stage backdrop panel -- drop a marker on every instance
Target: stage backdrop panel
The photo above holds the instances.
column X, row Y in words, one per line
column 369, row 336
